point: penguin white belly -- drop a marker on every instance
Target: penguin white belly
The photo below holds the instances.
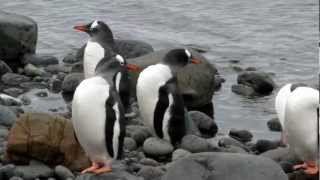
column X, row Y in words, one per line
column 93, row 53
column 88, row 117
column 149, row 82
column 301, row 122
column 280, row 102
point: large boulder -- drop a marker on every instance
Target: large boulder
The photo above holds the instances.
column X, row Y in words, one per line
column 18, row 36
column 47, row 138
column 224, row 166
column 196, row 82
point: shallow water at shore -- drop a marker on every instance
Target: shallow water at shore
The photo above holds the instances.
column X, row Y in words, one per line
column 276, row 36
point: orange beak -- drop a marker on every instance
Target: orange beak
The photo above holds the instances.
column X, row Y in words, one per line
column 81, row 28
column 195, row 61
column 133, row 67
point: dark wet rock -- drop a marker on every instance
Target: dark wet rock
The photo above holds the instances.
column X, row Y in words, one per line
column 18, row 36
column 32, row 171
column 4, row 68
column 115, row 175
column 228, row 141
column 42, row 94
column 263, row 145
column 71, row 81
column 71, row 58
column 32, row 70
column 234, row 61
column 194, row 144
column 218, row 82
column 237, row 68
column 251, row 69
column 40, row 59
column 34, row 85
column 179, row 154
column 55, row 85
column 300, row 175
column 242, row 90
column 130, row 144
column 149, row 162
column 197, row 90
column 7, row 116
column 241, row 135
column 63, row 172
column 7, row 171
column 77, row 68
column 150, row 173
column 15, row 92
column 205, row 125
column 274, row 125
column 55, row 69
column 14, row 79
column 224, row 166
column 261, row 82
column 47, row 138
column 157, row 147
column 138, row 133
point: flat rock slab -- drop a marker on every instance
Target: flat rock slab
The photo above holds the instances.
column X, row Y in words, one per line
column 224, row 166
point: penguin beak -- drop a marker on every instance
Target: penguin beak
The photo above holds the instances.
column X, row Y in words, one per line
column 195, row 61
column 132, row 67
column 81, row 28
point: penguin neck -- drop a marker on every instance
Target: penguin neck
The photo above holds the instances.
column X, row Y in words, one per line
column 173, row 69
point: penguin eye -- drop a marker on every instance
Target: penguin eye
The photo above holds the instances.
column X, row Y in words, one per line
column 94, row 30
column 121, row 63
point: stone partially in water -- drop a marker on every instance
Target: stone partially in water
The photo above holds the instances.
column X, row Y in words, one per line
column 15, row 92
column 241, row 135
column 274, row 125
column 204, row 124
column 40, row 59
column 71, row 81
column 14, row 79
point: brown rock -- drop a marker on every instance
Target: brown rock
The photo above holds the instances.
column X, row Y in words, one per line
column 45, row 137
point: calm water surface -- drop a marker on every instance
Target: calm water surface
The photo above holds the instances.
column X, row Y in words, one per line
column 276, row 36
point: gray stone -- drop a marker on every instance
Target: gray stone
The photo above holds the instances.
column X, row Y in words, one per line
column 3, row 132
column 114, row 175
column 33, row 171
column 274, row 125
column 40, row 60
column 32, row 70
column 18, row 36
column 9, row 100
column 138, row 133
column 264, row 145
column 205, row 124
column 63, row 172
column 55, row 85
column 157, row 147
column 150, row 173
column 130, row 144
column 55, row 69
column 4, row 68
column 15, row 92
column 34, row 85
column 228, row 141
column 233, row 149
column 242, row 90
column 261, row 82
column 7, row 171
column 241, row 135
column 149, row 162
column 194, row 144
column 179, row 154
column 7, row 117
column 77, row 68
column 224, row 166
column 14, row 79
column 16, row 178
column 71, row 81
column 71, row 58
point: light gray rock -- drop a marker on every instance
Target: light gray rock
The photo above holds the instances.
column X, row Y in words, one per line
column 16, row 178
column 34, row 85
column 71, row 81
column 15, row 92
column 150, row 173
column 33, row 171
column 130, row 144
column 149, row 162
column 157, row 147
column 63, row 172
column 40, row 59
column 224, row 166
column 115, row 175
column 7, row 116
column 138, row 133
column 179, row 154
column 14, row 79
column 32, row 70
column 194, row 144
column 18, row 36
column 7, row 100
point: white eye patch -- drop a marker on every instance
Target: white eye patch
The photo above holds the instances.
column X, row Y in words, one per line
column 188, row 53
column 94, row 24
column 120, row 59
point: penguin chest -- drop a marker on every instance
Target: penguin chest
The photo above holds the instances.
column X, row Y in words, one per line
column 93, row 53
column 89, row 117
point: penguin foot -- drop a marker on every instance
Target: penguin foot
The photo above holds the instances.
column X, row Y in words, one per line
column 103, row 169
column 91, row 169
column 309, row 167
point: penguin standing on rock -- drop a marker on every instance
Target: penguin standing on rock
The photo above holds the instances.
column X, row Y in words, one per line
column 98, row 114
column 160, row 102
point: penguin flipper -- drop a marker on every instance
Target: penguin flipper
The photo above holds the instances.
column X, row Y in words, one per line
column 161, row 106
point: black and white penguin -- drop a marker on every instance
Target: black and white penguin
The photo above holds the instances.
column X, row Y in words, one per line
column 160, row 102
column 98, row 114
column 99, row 46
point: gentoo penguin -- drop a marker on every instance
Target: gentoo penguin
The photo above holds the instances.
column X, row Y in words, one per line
column 280, row 105
column 160, row 102
column 301, row 123
column 98, row 115
column 99, row 46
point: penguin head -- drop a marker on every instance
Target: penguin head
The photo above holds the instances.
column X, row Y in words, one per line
column 178, row 58
column 96, row 29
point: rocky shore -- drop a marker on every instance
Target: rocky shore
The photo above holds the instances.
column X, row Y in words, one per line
column 43, row 146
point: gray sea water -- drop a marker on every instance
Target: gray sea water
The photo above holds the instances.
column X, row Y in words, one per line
column 276, row 36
